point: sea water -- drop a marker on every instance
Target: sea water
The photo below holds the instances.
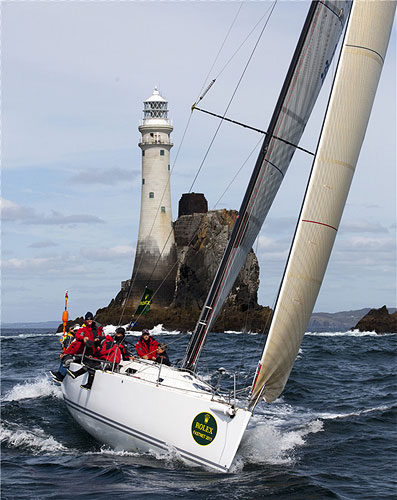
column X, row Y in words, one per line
column 332, row 433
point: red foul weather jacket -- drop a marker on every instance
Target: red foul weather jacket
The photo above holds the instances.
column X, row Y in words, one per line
column 111, row 351
column 144, row 350
column 89, row 331
column 76, row 347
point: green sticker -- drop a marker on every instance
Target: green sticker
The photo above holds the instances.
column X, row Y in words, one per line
column 204, row 428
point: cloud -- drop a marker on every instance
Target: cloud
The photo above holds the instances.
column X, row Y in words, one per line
column 108, row 254
column 366, row 244
column 266, row 244
column 106, row 176
column 25, row 215
column 363, row 227
column 43, row 244
column 46, row 266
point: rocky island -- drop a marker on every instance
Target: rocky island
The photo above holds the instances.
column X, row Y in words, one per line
column 201, row 239
column 379, row 321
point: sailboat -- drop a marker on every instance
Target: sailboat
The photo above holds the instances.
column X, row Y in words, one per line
column 203, row 426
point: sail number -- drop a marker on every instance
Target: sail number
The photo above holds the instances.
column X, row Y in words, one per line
column 204, row 428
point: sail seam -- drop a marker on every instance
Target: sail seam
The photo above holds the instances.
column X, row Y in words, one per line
column 276, row 167
column 336, row 162
column 320, row 223
column 366, row 49
column 333, row 12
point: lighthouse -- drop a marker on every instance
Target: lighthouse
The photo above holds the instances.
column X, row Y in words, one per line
column 155, row 256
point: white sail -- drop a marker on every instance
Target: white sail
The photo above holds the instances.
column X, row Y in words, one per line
column 343, row 132
column 314, row 52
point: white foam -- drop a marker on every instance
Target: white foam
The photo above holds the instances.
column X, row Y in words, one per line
column 242, row 333
column 266, row 443
column 36, row 440
column 40, row 387
column 156, row 330
column 354, row 333
column 333, row 416
column 29, row 335
column 105, row 450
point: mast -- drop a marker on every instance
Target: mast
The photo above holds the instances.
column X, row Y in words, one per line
column 342, row 136
column 316, row 47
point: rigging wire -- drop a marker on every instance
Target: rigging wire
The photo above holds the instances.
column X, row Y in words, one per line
column 233, row 95
column 243, row 42
column 256, row 130
column 217, row 57
column 237, row 173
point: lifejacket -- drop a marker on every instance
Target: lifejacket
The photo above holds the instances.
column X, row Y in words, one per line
column 66, row 340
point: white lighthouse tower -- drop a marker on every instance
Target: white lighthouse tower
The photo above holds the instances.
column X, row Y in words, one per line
column 156, row 254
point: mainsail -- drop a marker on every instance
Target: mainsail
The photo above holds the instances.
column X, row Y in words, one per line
column 343, row 132
column 316, row 47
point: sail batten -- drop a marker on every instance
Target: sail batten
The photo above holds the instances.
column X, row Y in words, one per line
column 343, row 133
column 315, row 49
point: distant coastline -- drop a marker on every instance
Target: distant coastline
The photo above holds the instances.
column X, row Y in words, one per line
column 26, row 324
column 321, row 321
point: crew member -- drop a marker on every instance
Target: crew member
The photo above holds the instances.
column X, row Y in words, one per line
column 146, row 347
column 162, row 356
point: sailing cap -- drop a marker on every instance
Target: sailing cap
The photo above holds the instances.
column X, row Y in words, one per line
column 89, row 315
column 145, row 332
column 120, row 330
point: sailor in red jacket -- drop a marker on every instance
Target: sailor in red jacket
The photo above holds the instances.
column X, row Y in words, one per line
column 147, row 346
column 112, row 348
column 89, row 332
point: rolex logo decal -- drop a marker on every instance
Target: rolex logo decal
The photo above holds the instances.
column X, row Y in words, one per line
column 204, row 428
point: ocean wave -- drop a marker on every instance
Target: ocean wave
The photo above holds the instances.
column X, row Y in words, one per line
column 40, row 387
column 35, row 440
column 354, row 333
column 156, row 330
column 29, row 336
column 334, row 416
column 105, row 450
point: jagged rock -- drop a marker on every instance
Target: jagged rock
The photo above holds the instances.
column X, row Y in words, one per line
column 201, row 239
column 379, row 321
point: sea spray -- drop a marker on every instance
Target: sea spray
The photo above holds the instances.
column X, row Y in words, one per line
column 40, row 387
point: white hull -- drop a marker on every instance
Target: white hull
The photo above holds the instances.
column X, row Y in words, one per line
column 131, row 411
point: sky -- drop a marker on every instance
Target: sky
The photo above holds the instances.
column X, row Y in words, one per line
column 74, row 78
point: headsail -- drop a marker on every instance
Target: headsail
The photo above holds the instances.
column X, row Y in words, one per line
column 314, row 52
column 343, row 132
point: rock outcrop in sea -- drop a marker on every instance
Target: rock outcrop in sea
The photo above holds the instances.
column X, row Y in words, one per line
column 201, row 239
column 379, row 321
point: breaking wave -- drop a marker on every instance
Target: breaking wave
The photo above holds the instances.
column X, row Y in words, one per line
column 35, row 440
column 40, row 387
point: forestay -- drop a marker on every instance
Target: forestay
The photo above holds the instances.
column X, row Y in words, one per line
column 313, row 55
column 343, row 132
